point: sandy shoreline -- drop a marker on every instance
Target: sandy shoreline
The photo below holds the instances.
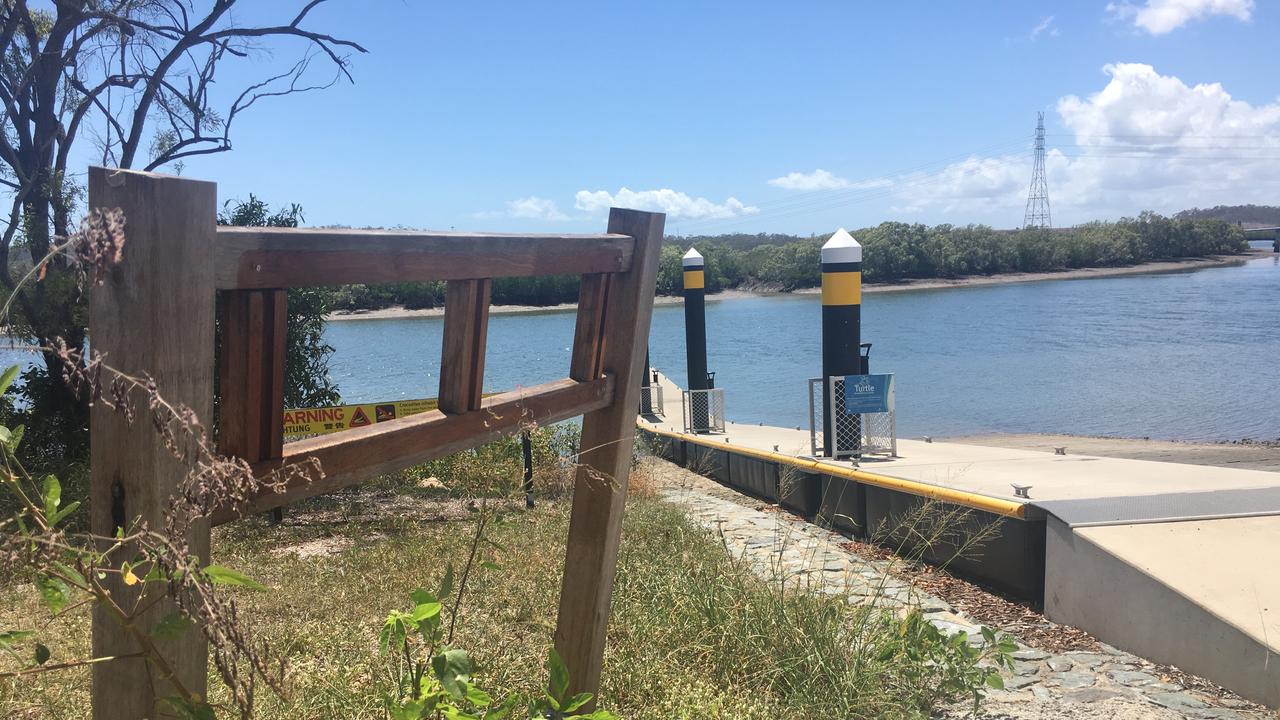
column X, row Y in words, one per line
column 1241, row 455
column 401, row 312
column 1151, row 268
column 1166, row 266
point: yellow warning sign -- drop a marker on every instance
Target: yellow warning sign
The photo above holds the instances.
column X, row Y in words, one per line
column 321, row 420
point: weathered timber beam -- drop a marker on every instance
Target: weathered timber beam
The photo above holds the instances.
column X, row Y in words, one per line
column 247, row 258
column 588, row 333
column 466, row 323
column 154, row 314
column 353, row 456
column 252, row 360
column 608, row 436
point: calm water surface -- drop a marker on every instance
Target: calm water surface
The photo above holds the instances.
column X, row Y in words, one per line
column 1191, row 355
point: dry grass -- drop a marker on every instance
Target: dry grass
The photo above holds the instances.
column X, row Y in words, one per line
column 325, row 608
column 694, row 634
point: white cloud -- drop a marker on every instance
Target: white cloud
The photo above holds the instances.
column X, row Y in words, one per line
column 1144, row 141
column 822, row 180
column 981, row 177
column 535, row 208
column 674, row 204
column 1043, row 26
column 1163, row 16
column 817, row 180
column 1137, row 100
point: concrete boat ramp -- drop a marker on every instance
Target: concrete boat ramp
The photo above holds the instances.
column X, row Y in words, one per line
column 1177, row 563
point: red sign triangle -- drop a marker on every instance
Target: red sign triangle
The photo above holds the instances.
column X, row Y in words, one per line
column 359, row 419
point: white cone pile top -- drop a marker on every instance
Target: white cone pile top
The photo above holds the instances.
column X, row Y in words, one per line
column 841, row 248
column 693, row 258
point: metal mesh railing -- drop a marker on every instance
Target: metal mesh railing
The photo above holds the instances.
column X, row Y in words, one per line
column 703, row 410
column 854, row 434
column 651, row 400
column 880, row 433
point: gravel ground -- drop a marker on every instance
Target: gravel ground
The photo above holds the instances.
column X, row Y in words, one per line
column 1061, row 672
column 1013, row 707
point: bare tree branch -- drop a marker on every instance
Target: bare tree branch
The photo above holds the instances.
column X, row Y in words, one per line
column 137, row 81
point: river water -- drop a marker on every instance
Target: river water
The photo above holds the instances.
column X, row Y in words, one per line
column 1192, row 355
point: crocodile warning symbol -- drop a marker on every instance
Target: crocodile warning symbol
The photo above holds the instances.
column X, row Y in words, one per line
column 359, row 418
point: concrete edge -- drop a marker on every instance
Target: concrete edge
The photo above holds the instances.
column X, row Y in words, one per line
column 994, row 505
column 1089, row 587
column 1010, row 558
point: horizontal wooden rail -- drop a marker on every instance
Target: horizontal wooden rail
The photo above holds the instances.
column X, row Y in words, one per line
column 251, row 258
column 360, row 454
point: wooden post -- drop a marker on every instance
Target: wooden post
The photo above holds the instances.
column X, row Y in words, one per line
column 466, row 327
column 252, row 358
column 155, row 315
column 588, row 338
column 251, row 371
column 608, row 435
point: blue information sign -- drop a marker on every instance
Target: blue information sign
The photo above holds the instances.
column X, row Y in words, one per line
column 866, row 393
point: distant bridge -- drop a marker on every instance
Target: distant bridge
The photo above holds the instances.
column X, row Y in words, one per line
column 1262, row 234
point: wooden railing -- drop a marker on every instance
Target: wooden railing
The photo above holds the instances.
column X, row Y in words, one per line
column 156, row 315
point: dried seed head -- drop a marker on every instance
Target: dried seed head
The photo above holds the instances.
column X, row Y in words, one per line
column 98, row 245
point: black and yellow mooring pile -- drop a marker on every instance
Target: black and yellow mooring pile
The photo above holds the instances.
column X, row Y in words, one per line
column 841, row 340
column 646, row 392
column 695, row 337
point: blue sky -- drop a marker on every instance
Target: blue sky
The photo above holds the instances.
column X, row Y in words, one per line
column 537, row 115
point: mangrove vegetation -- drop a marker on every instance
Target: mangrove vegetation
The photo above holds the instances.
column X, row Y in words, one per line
column 894, row 251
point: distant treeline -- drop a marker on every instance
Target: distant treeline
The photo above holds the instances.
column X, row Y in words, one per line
column 740, row 241
column 895, row 251
column 892, row 251
column 551, row 290
column 1263, row 215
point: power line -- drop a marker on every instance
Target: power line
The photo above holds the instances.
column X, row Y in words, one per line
column 912, row 178
column 1155, row 147
column 1169, row 157
column 866, row 196
column 879, row 187
column 899, row 183
column 861, row 190
column 822, row 197
column 1170, row 137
